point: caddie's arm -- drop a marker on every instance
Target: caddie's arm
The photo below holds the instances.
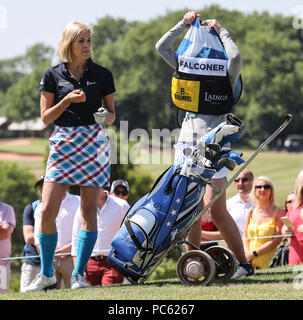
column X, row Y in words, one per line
column 165, row 44
column 235, row 61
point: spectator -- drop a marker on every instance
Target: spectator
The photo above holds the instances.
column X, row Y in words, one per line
column 289, row 201
column 237, row 206
column 295, row 215
column 209, row 233
column 63, row 264
column 281, row 256
column 31, row 266
column 7, row 227
column 262, row 221
column 111, row 211
column 120, row 188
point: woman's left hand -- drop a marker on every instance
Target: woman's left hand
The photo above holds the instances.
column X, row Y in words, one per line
column 190, row 17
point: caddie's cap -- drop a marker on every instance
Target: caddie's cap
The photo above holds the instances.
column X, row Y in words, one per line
column 41, row 180
column 119, row 182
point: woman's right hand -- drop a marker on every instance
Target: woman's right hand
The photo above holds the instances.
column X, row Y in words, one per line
column 190, row 17
column 286, row 230
column 76, row 96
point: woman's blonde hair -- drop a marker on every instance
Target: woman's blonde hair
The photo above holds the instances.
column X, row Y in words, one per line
column 268, row 181
column 70, row 34
column 299, row 190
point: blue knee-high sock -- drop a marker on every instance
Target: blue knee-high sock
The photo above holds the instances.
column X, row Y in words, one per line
column 48, row 244
column 86, row 243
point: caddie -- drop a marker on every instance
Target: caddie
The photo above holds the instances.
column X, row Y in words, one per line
column 205, row 85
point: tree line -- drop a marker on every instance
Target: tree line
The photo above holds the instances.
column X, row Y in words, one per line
column 272, row 71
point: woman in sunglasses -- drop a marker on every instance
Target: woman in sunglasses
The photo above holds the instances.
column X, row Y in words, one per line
column 262, row 222
column 289, row 201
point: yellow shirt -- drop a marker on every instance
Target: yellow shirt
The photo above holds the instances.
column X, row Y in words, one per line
column 265, row 229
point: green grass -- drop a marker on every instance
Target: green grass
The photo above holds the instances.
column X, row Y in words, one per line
column 282, row 167
column 268, row 284
column 36, row 146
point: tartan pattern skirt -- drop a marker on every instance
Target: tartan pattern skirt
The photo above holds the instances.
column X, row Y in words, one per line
column 79, row 156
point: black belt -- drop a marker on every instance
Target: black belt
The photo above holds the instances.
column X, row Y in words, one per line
column 99, row 258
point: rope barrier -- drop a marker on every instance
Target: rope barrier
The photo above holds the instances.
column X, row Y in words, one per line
column 202, row 242
column 38, row 256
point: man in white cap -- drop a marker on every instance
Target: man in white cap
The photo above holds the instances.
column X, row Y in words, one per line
column 120, row 189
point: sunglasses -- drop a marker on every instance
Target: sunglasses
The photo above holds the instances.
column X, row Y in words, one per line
column 124, row 193
column 241, row 179
column 290, row 201
column 265, row 187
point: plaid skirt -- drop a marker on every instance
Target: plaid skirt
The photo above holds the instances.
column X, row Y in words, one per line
column 79, row 156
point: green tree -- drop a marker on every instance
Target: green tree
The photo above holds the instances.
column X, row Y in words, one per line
column 19, row 80
column 272, row 71
column 22, row 100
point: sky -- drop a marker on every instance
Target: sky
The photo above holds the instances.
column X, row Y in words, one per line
column 26, row 22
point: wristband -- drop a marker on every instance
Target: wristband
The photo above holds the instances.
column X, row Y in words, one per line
column 255, row 253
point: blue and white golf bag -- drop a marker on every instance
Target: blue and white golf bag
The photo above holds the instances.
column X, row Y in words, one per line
column 159, row 217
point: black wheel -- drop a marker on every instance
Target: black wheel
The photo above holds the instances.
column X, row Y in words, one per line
column 225, row 261
column 195, row 268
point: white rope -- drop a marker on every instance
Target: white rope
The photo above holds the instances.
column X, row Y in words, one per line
column 38, row 256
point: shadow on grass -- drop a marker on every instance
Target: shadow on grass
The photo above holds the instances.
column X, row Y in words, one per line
column 266, row 276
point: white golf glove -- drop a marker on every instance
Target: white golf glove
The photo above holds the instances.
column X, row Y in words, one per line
column 101, row 115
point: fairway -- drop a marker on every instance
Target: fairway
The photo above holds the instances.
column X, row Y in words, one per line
column 281, row 283
column 280, row 166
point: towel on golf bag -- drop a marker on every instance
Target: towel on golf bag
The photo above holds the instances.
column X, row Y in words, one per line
column 200, row 83
column 158, row 218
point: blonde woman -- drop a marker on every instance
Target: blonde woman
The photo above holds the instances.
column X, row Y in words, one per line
column 295, row 215
column 77, row 95
column 262, row 222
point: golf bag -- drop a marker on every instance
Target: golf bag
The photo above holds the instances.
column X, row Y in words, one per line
column 175, row 200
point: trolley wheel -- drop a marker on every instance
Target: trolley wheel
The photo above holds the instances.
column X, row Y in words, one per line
column 196, row 268
column 225, row 261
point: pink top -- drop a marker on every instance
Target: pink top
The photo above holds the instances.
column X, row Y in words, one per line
column 7, row 216
column 296, row 241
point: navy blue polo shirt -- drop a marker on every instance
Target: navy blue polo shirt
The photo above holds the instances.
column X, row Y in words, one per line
column 97, row 82
column 28, row 219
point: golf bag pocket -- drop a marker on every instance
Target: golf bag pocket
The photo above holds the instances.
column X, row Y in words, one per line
column 185, row 94
column 133, row 238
